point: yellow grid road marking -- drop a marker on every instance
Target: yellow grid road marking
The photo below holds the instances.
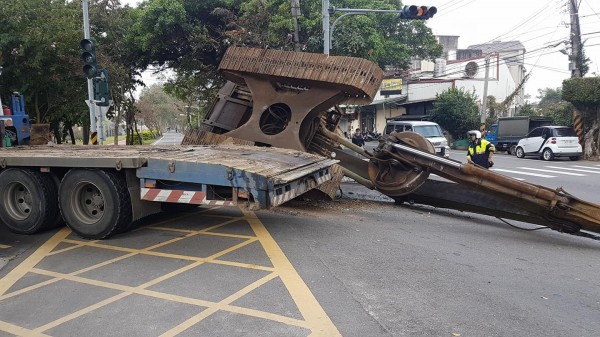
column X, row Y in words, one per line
column 193, row 320
column 14, row 275
column 18, row 330
column 308, row 305
column 315, row 319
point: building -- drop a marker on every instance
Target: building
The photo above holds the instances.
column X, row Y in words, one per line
column 410, row 94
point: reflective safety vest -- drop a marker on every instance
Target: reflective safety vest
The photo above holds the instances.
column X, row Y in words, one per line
column 480, row 152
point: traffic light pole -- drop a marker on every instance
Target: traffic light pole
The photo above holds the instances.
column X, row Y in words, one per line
column 407, row 12
column 90, row 84
column 326, row 35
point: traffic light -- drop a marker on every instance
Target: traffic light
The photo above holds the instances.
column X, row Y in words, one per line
column 417, row 12
column 102, row 89
column 90, row 67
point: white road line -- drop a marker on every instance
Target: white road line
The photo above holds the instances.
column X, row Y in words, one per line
column 572, row 169
column 552, row 171
column 587, row 167
column 525, row 173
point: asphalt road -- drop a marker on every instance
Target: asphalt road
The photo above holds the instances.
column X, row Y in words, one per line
column 359, row 265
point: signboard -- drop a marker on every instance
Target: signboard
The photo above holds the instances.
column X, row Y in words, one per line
column 391, row 86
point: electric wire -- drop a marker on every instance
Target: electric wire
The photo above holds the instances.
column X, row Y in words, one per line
column 541, row 51
column 522, row 228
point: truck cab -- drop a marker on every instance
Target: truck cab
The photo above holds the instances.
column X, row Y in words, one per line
column 506, row 133
column 17, row 126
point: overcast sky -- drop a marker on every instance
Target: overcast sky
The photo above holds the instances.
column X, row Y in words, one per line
column 542, row 26
column 537, row 24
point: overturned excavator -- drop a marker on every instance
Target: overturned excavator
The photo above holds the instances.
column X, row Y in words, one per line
column 290, row 100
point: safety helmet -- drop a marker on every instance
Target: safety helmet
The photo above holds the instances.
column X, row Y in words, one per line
column 477, row 133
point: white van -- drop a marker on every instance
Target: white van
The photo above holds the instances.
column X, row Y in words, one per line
column 430, row 130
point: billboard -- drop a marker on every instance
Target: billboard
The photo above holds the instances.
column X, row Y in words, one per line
column 392, row 86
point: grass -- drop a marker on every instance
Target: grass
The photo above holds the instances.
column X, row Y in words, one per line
column 111, row 140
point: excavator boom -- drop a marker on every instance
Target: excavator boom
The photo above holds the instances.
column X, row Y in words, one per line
column 290, row 100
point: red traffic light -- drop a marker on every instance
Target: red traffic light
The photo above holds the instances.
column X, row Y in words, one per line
column 417, row 12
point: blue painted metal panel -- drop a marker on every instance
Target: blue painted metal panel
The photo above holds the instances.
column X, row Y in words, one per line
column 202, row 173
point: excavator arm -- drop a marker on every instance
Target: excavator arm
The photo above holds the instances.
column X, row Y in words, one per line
column 290, row 100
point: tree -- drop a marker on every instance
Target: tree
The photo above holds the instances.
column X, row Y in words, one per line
column 584, row 95
column 190, row 36
column 39, row 52
column 527, row 110
column 552, row 105
column 455, row 110
column 159, row 109
column 41, row 57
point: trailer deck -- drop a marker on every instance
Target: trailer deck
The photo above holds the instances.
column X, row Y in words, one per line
column 100, row 190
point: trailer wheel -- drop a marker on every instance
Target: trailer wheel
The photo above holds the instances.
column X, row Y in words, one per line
column 95, row 203
column 28, row 201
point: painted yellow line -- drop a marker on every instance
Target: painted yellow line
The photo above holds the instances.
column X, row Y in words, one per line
column 15, row 275
column 175, row 298
column 17, row 330
column 4, row 246
column 82, row 312
column 311, row 310
column 209, row 311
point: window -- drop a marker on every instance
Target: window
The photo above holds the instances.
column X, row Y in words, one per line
column 564, row 132
column 429, row 131
column 537, row 132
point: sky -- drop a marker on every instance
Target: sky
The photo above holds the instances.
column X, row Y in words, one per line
column 542, row 26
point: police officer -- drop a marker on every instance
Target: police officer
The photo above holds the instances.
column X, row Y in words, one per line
column 480, row 151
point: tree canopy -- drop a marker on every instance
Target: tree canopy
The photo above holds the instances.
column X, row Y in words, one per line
column 41, row 56
column 455, row 110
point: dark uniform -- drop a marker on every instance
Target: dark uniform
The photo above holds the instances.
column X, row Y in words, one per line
column 357, row 139
column 479, row 152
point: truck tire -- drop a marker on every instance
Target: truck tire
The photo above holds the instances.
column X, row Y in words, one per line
column 95, row 203
column 28, row 201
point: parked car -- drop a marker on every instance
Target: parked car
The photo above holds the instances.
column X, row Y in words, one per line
column 548, row 142
column 430, row 130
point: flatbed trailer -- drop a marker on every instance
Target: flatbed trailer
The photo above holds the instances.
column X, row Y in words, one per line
column 102, row 190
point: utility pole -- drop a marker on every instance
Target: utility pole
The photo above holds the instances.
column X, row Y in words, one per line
column 326, row 36
column 295, row 14
column 485, row 90
column 90, row 84
column 574, row 61
column 575, row 39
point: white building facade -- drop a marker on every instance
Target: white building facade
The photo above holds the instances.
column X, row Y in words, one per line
column 500, row 64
